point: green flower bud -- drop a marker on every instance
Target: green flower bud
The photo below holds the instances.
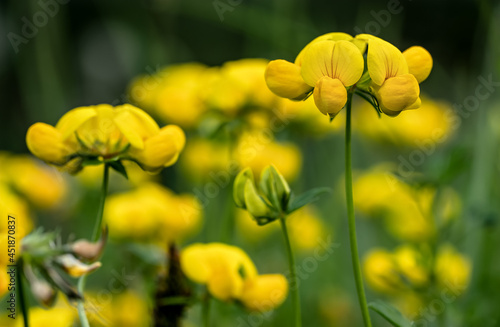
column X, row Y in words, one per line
column 282, row 189
column 275, row 187
column 239, row 187
column 257, row 206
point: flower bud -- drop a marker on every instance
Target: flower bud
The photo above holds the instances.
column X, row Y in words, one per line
column 257, row 206
column 74, row 267
column 239, row 187
column 275, row 187
column 284, row 79
column 86, row 250
column 46, row 142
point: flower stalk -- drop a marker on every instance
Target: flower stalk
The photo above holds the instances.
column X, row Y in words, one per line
column 350, row 215
column 293, row 275
column 95, row 236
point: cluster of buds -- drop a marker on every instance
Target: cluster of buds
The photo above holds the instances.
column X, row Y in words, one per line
column 45, row 261
column 272, row 199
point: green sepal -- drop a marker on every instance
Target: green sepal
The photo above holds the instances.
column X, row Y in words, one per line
column 305, row 198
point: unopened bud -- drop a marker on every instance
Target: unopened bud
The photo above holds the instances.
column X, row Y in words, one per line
column 89, row 251
column 239, row 187
column 257, row 206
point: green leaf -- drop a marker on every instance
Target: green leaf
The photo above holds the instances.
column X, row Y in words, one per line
column 389, row 313
column 305, row 198
column 119, row 168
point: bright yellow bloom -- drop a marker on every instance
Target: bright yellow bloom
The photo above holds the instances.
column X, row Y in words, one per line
column 152, row 213
column 410, row 263
column 203, row 158
column 394, row 85
column 330, row 67
column 230, row 274
column 105, row 133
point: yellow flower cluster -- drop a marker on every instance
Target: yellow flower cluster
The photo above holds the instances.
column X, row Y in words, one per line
column 182, row 94
column 407, row 211
column 153, row 213
column 410, row 271
column 333, row 64
column 230, row 274
column 105, row 133
column 426, row 128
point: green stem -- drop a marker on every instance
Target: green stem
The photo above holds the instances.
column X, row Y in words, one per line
column 350, row 215
column 22, row 299
column 206, row 310
column 95, row 236
column 294, row 287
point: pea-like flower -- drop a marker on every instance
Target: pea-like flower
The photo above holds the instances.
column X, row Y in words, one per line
column 395, row 86
column 104, row 133
column 230, row 274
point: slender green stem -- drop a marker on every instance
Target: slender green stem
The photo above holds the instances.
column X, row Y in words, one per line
column 22, row 299
column 206, row 310
column 350, row 215
column 294, row 286
column 95, row 236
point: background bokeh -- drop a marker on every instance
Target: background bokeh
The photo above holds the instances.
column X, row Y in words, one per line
column 86, row 53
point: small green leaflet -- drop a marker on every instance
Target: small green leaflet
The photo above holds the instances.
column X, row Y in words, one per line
column 305, row 198
column 389, row 313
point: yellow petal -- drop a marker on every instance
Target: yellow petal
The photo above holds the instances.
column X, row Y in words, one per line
column 46, row 142
column 283, row 79
column 194, row 263
column 419, row 62
column 73, row 119
column 160, row 150
column 265, row 292
column 335, row 36
column 384, row 60
column 135, row 124
column 398, row 93
column 330, row 96
column 341, row 60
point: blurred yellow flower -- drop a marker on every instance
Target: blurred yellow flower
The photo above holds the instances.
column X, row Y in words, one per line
column 126, row 309
column 42, row 186
column 425, row 128
column 152, row 213
column 408, row 211
column 381, row 272
column 256, row 150
column 103, row 133
column 230, row 274
column 452, row 269
column 204, row 157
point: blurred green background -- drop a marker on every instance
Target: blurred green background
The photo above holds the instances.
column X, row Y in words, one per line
column 89, row 52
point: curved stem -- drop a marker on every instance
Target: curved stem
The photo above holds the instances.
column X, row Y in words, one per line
column 350, row 216
column 294, row 287
column 22, row 299
column 95, row 236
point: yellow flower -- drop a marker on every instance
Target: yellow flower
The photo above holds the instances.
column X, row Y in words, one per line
column 265, row 292
column 153, row 213
column 230, row 274
column 105, row 133
column 286, row 79
column 42, row 186
column 394, row 85
column 410, row 263
column 452, row 269
column 381, row 271
column 330, row 67
column 306, row 228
